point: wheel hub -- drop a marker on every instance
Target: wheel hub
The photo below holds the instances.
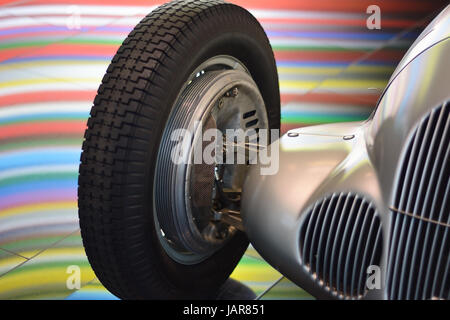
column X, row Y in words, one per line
column 194, row 200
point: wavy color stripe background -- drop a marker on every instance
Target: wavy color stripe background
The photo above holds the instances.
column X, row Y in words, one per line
column 331, row 68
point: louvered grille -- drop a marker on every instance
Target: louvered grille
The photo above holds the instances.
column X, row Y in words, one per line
column 340, row 237
column 419, row 260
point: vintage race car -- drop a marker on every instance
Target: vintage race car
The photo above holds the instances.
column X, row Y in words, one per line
column 355, row 210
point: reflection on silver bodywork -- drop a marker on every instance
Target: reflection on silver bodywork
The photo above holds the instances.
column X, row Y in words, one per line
column 360, row 158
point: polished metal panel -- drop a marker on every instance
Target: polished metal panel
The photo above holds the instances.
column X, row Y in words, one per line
column 318, row 164
column 419, row 262
column 435, row 32
column 312, row 166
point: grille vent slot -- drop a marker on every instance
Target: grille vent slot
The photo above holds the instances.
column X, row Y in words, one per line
column 250, row 118
column 419, row 248
column 340, row 237
column 249, row 114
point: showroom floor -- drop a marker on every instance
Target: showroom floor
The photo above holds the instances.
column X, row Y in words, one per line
column 53, row 54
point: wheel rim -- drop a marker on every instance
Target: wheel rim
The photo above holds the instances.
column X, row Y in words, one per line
column 219, row 94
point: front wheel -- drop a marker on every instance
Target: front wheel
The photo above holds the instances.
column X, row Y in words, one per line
column 150, row 224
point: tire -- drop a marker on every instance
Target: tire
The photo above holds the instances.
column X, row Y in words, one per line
column 121, row 143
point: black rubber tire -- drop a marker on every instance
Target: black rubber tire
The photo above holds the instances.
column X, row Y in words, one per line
column 122, row 139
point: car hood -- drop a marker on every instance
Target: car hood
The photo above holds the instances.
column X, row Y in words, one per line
column 437, row 31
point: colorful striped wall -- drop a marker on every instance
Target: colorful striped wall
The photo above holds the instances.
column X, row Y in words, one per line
column 53, row 55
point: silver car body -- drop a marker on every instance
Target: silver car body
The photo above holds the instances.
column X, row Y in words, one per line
column 308, row 219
